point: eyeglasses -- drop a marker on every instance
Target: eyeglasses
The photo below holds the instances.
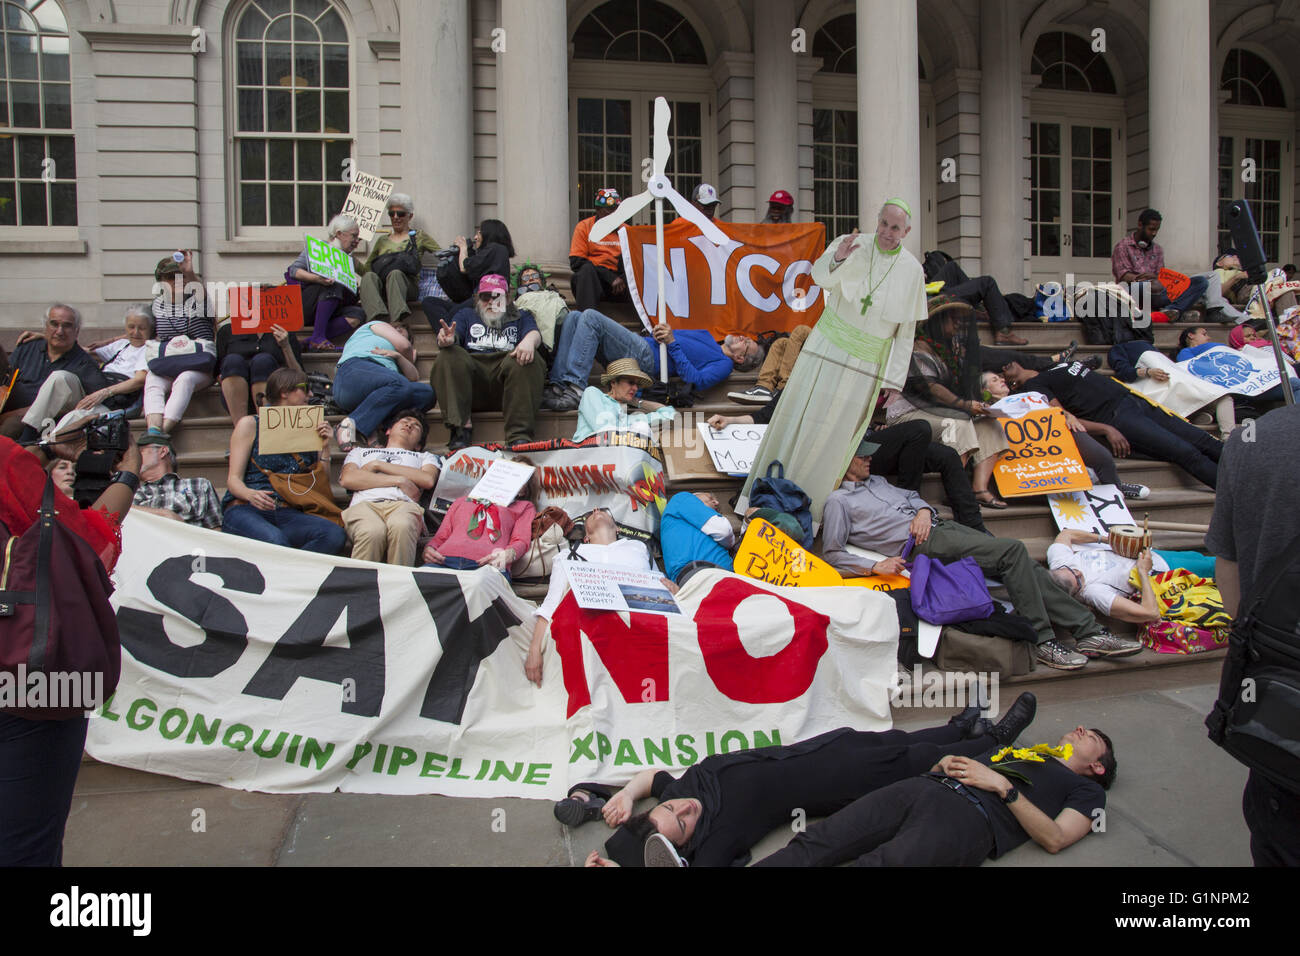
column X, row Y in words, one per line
column 397, row 213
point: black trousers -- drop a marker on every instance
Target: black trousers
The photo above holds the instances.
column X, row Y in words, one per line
column 1163, row 437
column 39, row 761
column 995, row 360
column 907, row 451
column 1271, row 814
column 915, row 822
column 981, row 289
column 590, row 284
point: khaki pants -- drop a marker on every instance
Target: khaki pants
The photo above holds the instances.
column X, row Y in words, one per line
column 59, row 394
column 386, row 300
column 780, row 360
column 384, row 531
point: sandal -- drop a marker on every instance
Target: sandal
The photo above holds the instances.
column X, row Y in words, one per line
column 326, row 346
column 988, row 499
column 346, row 435
column 573, row 811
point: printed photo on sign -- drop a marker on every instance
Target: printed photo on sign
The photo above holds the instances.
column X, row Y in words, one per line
column 500, row 484
column 1096, row 510
column 1042, row 458
column 733, row 448
column 602, row 587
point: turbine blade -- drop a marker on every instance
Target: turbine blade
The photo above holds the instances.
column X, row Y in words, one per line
column 628, row 208
column 662, row 147
column 687, row 211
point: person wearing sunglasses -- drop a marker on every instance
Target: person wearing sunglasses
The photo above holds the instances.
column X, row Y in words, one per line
column 385, row 291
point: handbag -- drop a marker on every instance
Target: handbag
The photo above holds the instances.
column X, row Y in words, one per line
column 405, row 260
column 180, row 354
column 550, row 530
column 75, row 634
column 315, row 498
column 947, row 593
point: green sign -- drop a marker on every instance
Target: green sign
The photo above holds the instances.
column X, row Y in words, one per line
column 331, row 262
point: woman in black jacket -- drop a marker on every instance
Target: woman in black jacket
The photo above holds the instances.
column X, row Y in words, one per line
column 489, row 254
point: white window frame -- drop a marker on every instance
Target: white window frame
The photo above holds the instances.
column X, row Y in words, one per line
column 1262, row 122
column 230, row 102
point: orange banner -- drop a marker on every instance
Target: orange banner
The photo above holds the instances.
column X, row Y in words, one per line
column 1043, row 458
column 759, row 281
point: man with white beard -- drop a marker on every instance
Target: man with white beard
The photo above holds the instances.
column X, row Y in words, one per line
column 487, row 361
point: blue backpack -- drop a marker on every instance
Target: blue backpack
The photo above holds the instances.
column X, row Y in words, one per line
column 781, row 494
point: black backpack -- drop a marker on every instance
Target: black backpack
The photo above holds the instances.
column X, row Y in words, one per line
column 781, row 494
column 1257, row 715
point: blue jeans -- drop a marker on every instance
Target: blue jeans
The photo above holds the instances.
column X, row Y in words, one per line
column 1163, row 437
column 39, row 761
column 1191, row 295
column 452, row 563
column 586, row 335
column 287, row 527
column 369, row 392
column 1274, row 394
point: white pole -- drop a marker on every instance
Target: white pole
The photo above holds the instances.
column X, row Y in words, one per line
column 663, row 299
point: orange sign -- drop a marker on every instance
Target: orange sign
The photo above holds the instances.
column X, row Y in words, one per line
column 1043, row 458
column 769, row 554
column 255, row 311
column 760, row 280
column 1175, row 283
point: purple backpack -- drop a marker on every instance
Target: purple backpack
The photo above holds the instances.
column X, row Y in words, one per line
column 947, row 593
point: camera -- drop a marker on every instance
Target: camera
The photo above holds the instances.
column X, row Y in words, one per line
column 108, row 433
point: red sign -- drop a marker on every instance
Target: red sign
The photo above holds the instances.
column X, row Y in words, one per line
column 254, row 311
column 1175, row 283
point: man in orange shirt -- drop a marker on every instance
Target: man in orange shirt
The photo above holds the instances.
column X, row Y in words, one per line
column 597, row 266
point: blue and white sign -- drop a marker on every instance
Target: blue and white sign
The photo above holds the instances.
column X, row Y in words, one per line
column 1250, row 371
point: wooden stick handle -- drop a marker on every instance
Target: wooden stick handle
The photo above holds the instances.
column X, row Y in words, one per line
column 1178, row 526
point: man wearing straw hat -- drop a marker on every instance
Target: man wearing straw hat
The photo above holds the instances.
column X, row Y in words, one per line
column 861, row 345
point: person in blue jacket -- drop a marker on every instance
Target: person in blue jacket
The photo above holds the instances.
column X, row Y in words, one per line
column 694, row 535
column 694, row 355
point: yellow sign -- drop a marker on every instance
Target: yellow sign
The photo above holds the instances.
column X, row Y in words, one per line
column 769, row 554
column 1043, row 458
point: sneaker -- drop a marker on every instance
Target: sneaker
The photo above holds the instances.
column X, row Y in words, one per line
column 758, row 395
column 346, row 435
column 1134, row 491
column 568, row 399
column 660, row 852
column 1055, row 654
column 1106, row 644
column 460, row 438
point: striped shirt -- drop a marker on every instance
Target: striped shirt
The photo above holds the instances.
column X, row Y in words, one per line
column 194, row 499
column 190, row 316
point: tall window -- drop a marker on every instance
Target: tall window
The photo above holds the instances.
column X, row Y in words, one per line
column 1250, row 81
column 293, row 115
column 835, row 170
column 38, row 164
column 1255, row 150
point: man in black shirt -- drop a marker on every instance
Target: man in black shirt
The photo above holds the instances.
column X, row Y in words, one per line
column 54, row 374
column 726, row 803
column 963, row 811
column 1106, row 408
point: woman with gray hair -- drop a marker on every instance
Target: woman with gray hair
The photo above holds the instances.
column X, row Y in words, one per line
column 392, row 270
column 322, row 297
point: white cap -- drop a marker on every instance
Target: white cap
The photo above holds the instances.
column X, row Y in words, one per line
column 705, row 194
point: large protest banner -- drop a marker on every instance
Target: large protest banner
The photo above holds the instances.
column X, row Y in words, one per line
column 619, row 471
column 760, row 280
column 264, row 668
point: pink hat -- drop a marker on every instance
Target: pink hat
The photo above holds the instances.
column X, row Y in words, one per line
column 782, row 197
column 493, row 283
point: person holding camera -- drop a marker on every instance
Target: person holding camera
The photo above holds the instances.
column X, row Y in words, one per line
column 391, row 274
column 41, row 748
column 488, row 253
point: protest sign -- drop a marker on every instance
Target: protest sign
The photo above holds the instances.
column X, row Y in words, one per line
column 1175, row 283
column 1096, row 510
column 760, row 280
column 500, row 484
column 282, row 429
column 769, row 554
column 605, row 587
column 265, row 668
column 7, row 389
column 1042, row 458
column 733, row 448
column 1250, row 371
column 328, row 260
column 366, row 202
column 276, row 305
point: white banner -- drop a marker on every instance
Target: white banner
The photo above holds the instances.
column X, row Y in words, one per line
column 628, row 479
column 1250, row 371
column 263, row 668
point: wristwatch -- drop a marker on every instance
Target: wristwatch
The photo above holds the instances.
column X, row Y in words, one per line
column 128, row 478
column 1012, row 795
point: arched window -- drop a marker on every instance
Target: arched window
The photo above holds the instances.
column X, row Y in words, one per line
column 38, row 163
column 1067, row 62
column 836, row 42
column 643, row 31
column 292, row 112
column 1250, row 81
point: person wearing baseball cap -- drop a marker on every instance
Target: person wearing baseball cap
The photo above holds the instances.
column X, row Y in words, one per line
column 487, row 361
column 597, row 266
column 780, row 208
column 705, row 199
column 163, row 492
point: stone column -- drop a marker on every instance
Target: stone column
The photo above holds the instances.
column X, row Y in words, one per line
column 533, row 110
column 1183, row 173
column 889, row 131
column 1001, row 145
column 776, row 106
column 437, row 131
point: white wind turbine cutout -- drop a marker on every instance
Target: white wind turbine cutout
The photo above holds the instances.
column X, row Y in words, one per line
column 659, row 189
